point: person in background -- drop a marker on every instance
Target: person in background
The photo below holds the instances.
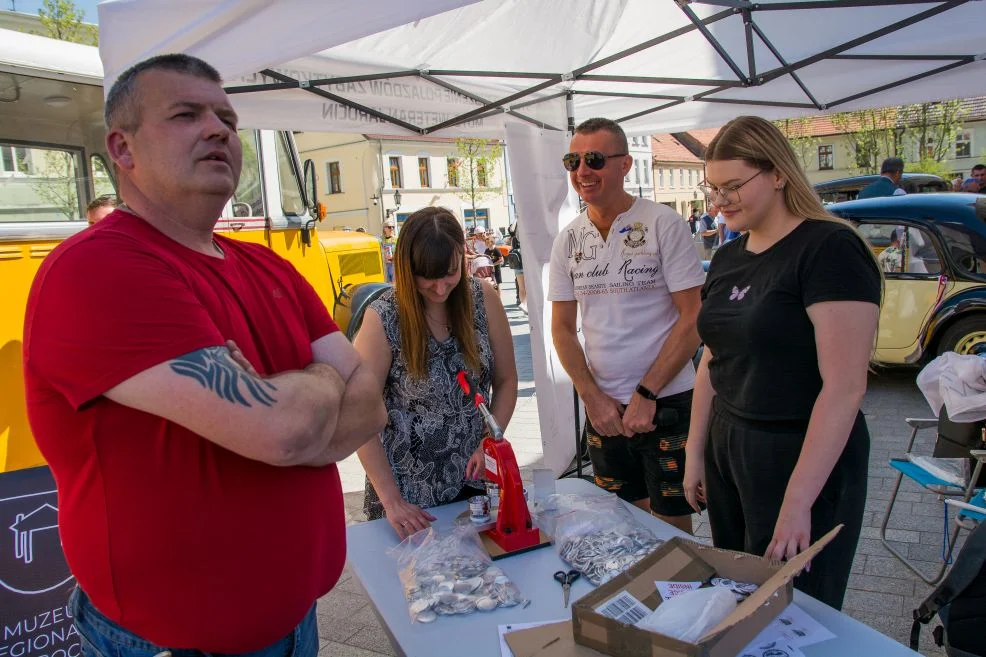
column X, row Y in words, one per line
column 100, row 207
column 515, row 260
column 979, row 175
column 709, row 230
column 387, row 244
column 629, row 266
column 888, row 184
column 191, row 395
column 777, row 446
column 693, row 220
column 972, row 186
column 495, row 256
column 435, row 322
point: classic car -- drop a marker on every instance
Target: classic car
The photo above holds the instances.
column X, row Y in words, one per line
column 932, row 248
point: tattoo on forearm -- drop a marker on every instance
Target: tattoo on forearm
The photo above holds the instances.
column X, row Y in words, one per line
column 215, row 370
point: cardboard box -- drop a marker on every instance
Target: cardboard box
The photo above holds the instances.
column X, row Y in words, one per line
column 680, row 560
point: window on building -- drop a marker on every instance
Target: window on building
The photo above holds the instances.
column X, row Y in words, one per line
column 424, row 173
column 396, row 179
column 334, row 178
column 481, row 218
column 16, row 159
column 681, row 177
column 660, row 177
column 644, row 163
column 482, row 179
column 963, row 144
column 626, row 178
column 452, row 167
column 670, row 177
column 248, row 199
column 826, row 157
column 636, row 171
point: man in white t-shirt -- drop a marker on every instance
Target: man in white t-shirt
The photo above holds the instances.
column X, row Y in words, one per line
column 628, row 264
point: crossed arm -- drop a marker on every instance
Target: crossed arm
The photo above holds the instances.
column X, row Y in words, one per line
column 313, row 417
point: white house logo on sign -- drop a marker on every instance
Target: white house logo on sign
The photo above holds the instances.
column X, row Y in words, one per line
column 35, row 581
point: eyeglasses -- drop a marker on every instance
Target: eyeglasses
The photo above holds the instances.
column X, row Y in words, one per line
column 595, row 160
column 729, row 193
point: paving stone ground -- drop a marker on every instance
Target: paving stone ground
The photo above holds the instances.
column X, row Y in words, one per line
column 882, row 592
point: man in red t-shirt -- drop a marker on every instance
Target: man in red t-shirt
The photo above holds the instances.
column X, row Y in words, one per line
column 191, row 394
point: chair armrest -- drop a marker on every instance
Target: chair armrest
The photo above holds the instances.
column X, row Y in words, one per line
column 921, row 423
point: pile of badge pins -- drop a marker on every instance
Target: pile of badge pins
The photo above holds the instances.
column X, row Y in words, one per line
column 456, row 585
column 602, row 555
column 741, row 590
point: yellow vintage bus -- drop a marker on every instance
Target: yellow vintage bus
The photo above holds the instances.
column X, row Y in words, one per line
column 53, row 163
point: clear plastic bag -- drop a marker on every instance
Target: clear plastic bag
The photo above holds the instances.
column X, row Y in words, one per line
column 449, row 573
column 595, row 534
column 690, row 615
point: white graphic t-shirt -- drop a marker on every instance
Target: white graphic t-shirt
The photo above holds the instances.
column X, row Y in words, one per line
column 623, row 286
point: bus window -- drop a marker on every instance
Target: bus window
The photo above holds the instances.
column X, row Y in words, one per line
column 40, row 183
column 248, row 199
column 291, row 199
column 102, row 179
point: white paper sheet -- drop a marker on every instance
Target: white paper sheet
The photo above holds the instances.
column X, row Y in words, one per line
column 505, row 650
column 670, row 590
column 794, row 628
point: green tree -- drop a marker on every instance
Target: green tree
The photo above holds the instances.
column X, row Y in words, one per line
column 474, row 170
column 804, row 143
column 63, row 20
column 870, row 136
column 930, row 128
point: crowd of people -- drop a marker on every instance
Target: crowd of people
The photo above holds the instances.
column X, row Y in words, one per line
column 192, row 395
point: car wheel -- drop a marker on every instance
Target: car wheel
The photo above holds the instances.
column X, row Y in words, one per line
column 966, row 336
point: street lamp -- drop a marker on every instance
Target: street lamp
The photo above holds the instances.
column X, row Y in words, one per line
column 397, row 203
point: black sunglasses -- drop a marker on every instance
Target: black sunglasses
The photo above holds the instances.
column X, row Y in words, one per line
column 595, row 160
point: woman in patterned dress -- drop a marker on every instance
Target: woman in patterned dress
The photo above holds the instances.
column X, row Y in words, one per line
column 416, row 337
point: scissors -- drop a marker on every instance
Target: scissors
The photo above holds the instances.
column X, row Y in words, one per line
column 566, row 579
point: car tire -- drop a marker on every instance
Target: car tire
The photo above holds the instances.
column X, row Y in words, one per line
column 965, row 336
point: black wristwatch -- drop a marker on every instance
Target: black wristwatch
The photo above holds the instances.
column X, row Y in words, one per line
column 646, row 393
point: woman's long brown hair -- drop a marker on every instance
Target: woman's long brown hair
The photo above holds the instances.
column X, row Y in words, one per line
column 430, row 242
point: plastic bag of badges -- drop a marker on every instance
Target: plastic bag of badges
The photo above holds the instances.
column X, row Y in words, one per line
column 446, row 573
column 595, row 534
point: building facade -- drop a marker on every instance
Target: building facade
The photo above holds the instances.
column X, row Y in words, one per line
column 677, row 172
column 365, row 180
column 639, row 181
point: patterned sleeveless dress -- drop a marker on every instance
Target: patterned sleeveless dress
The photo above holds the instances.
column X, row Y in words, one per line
column 431, row 430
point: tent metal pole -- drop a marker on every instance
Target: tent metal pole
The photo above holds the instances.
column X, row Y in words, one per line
column 617, row 94
column 461, row 118
column 776, row 53
column 897, row 83
column 480, row 99
column 697, row 22
column 570, row 113
column 699, row 82
column 363, row 78
column 249, row 88
column 343, row 101
column 491, row 74
column 759, row 103
column 866, row 38
column 751, row 58
column 903, row 58
column 807, row 4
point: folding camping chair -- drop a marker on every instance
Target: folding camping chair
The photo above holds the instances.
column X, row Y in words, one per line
column 944, row 489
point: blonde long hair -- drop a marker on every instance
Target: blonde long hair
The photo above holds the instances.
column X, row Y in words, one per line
column 430, row 240
column 761, row 144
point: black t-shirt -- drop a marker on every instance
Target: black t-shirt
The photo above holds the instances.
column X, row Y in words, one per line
column 754, row 318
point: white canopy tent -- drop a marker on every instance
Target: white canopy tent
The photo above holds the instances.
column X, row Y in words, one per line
column 528, row 70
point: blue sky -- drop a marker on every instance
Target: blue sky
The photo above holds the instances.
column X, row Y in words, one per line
column 32, row 6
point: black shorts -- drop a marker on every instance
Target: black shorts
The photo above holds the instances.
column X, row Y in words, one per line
column 647, row 465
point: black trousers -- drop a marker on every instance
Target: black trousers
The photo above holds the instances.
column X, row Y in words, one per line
column 747, row 468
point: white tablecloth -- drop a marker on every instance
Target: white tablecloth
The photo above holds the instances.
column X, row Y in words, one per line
column 476, row 634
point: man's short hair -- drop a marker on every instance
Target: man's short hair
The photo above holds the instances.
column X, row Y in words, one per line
column 978, row 167
column 892, row 165
column 590, row 126
column 122, row 108
column 104, row 201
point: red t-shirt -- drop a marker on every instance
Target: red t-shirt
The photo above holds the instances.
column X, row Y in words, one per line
column 177, row 539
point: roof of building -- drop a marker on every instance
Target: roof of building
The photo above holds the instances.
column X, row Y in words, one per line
column 666, row 148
